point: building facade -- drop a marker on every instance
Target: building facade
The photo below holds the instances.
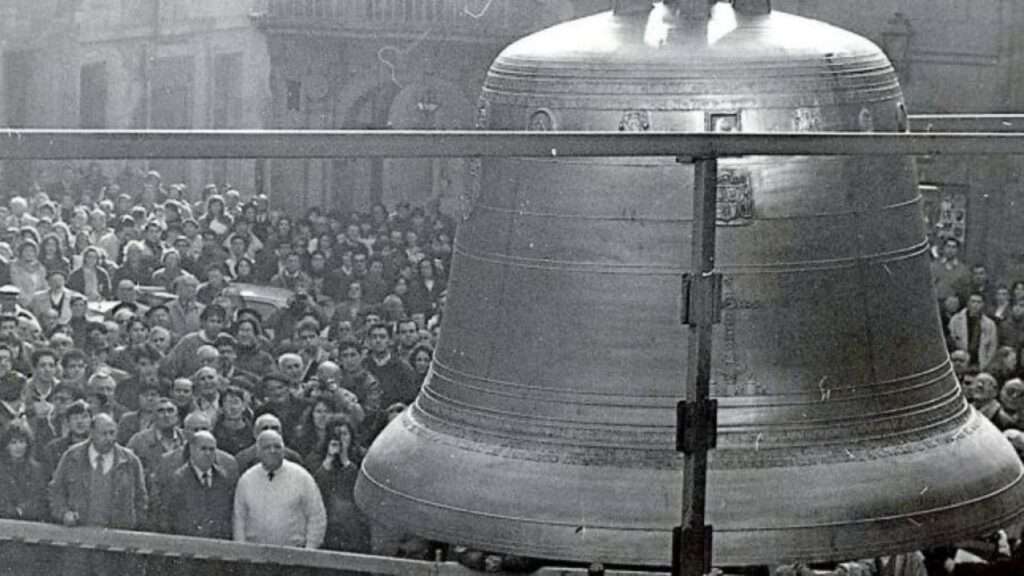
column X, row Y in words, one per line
column 280, row 64
column 955, row 58
column 409, row 64
column 399, row 64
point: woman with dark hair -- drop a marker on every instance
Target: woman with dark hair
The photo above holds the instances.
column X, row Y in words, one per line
column 335, row 469
column 216, row 217
column 90, row 279
column 312, row 431
column 22, row 485
column 419, row 358
column 52, row 256
column 22, row 494
column 245, row 271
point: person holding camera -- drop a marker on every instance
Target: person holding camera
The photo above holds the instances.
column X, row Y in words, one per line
column 285, row 322
column 335, row 470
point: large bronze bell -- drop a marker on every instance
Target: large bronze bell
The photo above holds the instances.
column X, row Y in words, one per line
column 547, row 425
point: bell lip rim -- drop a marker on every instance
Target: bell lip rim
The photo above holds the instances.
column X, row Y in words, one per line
column 882, row 546
column 1017, row 483
column 839, row 540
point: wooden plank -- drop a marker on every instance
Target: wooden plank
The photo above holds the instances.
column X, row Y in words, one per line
column 166, row 545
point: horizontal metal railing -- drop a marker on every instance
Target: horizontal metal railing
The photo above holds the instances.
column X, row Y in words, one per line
column 967, row 123
column 208, row 144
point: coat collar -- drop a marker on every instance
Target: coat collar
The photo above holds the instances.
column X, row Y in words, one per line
column 80, row 452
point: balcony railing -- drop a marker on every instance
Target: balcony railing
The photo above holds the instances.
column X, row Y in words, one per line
column 473, row 19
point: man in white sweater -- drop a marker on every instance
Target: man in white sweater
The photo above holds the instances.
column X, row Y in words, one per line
column 278, row 502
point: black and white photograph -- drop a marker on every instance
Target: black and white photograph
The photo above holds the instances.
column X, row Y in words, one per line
column 520, row 287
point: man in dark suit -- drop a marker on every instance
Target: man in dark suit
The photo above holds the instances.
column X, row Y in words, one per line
column 199, row 501
column 170, row 462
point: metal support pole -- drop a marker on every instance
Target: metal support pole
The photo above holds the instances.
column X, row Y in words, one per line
column 697, row 420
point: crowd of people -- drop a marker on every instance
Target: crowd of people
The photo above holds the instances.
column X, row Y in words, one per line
column 140, row 391
column 984, row 326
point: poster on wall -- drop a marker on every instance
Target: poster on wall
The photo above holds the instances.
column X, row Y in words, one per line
column 945, row 211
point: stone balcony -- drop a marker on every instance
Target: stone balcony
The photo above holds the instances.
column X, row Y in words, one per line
column 481, row 21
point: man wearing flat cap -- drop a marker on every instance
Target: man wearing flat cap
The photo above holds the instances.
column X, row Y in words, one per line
column 9, row 303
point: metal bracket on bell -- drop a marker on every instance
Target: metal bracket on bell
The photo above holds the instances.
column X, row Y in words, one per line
column 696, row 291
column 696, row 426
column 691, row 545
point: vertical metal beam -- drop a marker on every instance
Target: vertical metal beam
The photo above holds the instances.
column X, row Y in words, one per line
column 697, row 421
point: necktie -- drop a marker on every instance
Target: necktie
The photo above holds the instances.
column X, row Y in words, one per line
column 208, row 479
column 270, row 476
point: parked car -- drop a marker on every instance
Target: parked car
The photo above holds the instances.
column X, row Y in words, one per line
column 264, row 299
